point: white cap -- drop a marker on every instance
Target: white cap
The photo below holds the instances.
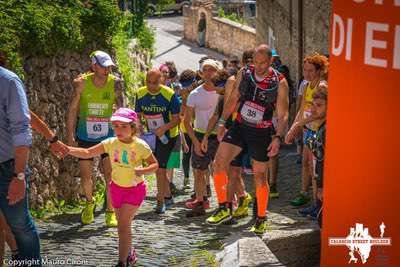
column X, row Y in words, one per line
column 213, row 63
column 101, row 58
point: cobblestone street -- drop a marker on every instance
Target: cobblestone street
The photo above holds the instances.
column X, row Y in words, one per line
column 170, row 239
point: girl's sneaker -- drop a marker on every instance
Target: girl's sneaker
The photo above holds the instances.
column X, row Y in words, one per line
column 160, row 208
column 132, row 258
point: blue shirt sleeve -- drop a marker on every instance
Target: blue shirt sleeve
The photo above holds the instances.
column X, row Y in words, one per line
column 175, row 105
column 18, row 114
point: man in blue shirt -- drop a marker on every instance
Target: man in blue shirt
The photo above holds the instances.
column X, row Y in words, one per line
column 159, row 107
column 15, row 140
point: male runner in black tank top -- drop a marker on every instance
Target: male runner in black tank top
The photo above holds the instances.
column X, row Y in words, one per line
column 252, row 130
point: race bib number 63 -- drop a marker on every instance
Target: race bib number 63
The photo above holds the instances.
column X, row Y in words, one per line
column 97, row 127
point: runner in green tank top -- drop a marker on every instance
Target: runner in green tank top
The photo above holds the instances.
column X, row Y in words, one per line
column 94, row 98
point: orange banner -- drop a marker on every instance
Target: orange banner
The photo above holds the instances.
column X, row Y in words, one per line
column 362, row 167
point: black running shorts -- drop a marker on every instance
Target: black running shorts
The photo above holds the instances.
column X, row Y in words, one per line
column 163, row 151
column 255, row 140
column 202, row 162
column 238, row 160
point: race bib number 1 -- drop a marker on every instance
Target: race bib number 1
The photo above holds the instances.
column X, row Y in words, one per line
column 154, row 121
column 97, row 127
column 252, row 112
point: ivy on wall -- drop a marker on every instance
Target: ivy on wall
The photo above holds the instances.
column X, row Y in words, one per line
column 46, row 28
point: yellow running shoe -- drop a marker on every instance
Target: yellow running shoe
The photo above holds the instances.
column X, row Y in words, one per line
column 273, row 192
column 222, row 214
column 111, row 220
column 260, row 226
column 243, row 208
column 87, row 216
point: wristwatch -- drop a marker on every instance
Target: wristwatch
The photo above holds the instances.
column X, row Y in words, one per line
column 20, row 176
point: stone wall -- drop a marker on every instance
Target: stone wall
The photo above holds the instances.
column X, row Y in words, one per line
column 282, row 21
column 225, row 36
column 278, row 26
column 49, row 87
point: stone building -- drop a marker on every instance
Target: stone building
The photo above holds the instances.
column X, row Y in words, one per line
column 295, row 28
column 245, row 9
column 224, row 35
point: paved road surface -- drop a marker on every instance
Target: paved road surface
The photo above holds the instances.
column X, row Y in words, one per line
column 171, row 46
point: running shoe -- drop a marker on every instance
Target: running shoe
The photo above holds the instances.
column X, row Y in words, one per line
column 186, row 183
column 220, row 215
column 243, row 208
column 260, row 226
column 173, row 189
column 132, row 258
column 87, row 216
column 310, row 211
column 206, row 204
column 111, row 219
column 160, row 208
column 314, row 214
column 196, row 212
column 273, row 192
column 300, row 200
column 192, row 197
column 193, row 204
column 120, row 264
column 168, row 202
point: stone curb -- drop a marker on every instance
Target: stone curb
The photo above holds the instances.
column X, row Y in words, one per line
column 247, row 252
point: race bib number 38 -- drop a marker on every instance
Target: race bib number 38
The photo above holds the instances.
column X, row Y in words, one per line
column 252, row 112
column 97, row 127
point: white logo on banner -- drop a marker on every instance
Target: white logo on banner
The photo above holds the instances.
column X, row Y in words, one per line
column 359, row 240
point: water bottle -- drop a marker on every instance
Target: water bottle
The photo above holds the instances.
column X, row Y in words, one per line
column 164, row 139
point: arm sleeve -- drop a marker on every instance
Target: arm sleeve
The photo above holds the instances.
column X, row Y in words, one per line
column 18, row 114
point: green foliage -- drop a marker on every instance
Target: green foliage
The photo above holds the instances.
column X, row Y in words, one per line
column 146, row 38
column 46, row 28
column 161, row 4
column 133, row 78
column 139, row 15
column 233, row 16
column 57, row 206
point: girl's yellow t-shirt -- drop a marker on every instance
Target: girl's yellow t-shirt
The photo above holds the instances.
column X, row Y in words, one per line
column 125, row 158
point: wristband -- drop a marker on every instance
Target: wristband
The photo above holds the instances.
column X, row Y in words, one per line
column 221, row 120
column 53, row 139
